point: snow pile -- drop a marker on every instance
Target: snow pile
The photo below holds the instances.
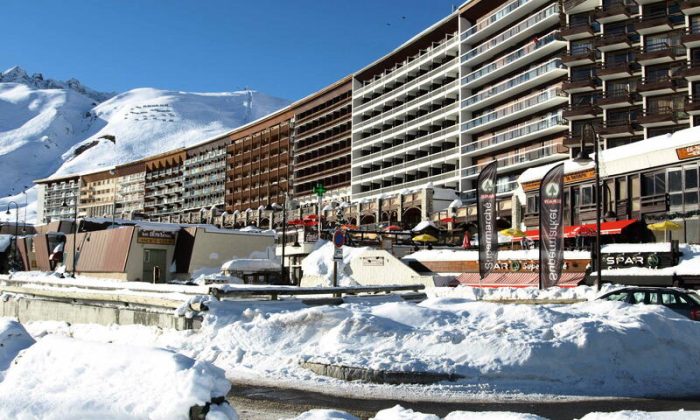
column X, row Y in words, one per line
column 400, row 413
column 500, row 350
column 249, row 264
column 319, row 263
column 60, row 377
column 13, row 339
column 521, row 293
column 5, row 241
column 208, row 275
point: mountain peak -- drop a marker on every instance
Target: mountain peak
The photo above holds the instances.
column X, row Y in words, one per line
column 17, row 74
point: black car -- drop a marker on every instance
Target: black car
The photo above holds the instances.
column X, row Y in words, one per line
column 681, row 301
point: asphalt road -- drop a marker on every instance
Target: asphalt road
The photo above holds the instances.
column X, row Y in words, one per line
column 262, row 403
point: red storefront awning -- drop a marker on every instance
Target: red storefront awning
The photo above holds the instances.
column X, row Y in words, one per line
column 606, row 228
column 517, row 279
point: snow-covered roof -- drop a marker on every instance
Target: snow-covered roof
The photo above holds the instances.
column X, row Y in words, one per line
column 251, row 265
column 424, row 224
column 467, row 255
column 649, row 153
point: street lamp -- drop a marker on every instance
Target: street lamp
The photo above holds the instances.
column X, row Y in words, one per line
column 272, row 208
column 583, row 158
column 75, row 226
column 16, row 224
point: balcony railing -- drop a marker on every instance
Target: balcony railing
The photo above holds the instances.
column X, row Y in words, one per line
column 531, row 128
column 453, row 130
column 513, row 82
column 512, row 57
column 518, row 159
column 493, row 18
column 513, row 108
column 510, row 33
column 409, row 63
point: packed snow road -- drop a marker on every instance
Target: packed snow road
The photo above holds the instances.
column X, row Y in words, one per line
column 267, row 403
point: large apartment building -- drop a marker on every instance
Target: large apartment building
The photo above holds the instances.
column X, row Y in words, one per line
column 322, row 138
column 258, row 163
column 633, row 67
column 405, row 116
column 512, row 81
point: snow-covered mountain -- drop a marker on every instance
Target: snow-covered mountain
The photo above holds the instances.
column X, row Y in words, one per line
column 50, row 127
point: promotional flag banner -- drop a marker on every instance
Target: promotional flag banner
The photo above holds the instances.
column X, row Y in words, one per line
column 551, row 226
column 486, row 207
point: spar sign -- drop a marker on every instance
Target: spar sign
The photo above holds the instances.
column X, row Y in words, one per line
column 486, row 207
column 552, row 226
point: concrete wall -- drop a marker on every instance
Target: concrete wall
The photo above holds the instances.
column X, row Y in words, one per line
column 33, row 309
column 212, row 249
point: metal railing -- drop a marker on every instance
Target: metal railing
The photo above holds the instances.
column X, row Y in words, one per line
column 530, row 128
column 512, row 57
column 513, row 31
column 513, row 82
column 444, row 132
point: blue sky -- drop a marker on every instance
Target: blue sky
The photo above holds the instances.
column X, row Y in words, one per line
column 285, row 48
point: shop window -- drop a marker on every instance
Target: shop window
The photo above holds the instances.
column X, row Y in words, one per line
column 653, row 184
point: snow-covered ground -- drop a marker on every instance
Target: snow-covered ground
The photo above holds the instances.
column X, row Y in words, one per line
column 45, row 122
column 319, row 263
column 61, row 378
column 589, row 349
column 521, row 293
column 400, row 413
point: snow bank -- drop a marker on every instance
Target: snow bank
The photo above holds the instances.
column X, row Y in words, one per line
column 501, row 351
column 466, row 255
column 319, row 263
column 247, row 264
column 400, row 413
column 5, row 241
column 520, row 293
column 60, row 377
column 13, row 339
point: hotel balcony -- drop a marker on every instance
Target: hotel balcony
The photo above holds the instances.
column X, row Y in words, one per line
column 533, row 130
column 692, row 72
column 613, row 11
column 525, row 81
column 501, row 18
column 531, row 52
column 530, row 158
column 527, row 106
column 579, row 85
column 661, row 116
column 691, row 38
column 620, row 128
column 690, row 7
column 579, row 57
column 612, row 42
column 522, row 31
column 661, row 85
column 653, row 23
column 581, row 111
column 660, row 53
column 577, row 6
column 618, row 98
column 617, row 70
column 578, row 31
column 692, row 106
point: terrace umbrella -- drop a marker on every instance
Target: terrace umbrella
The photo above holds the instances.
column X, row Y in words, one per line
column 295, row 222
column 310, row 223
column 665, row 226
column 447, row 220
column 512, row 232
column 349, row 227
column 311, row 217
column 392, row 227
column 424, row 238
